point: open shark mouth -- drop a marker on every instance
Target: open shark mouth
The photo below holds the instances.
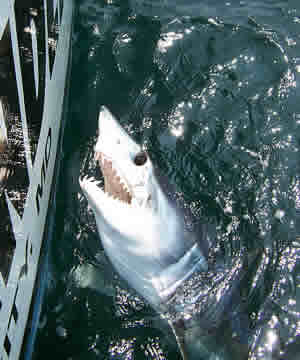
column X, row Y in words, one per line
column 115, row 184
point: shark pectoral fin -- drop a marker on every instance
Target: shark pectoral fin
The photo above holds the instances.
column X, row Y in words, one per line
column 191, row 343
column 178, row 330
column 197, row 344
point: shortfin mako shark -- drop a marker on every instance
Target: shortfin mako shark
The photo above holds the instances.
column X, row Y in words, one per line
column 146, row 235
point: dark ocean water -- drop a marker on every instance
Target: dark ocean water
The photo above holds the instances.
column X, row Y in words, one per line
column 211, row 88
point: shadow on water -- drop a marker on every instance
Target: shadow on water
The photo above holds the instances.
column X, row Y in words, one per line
column 212, row 91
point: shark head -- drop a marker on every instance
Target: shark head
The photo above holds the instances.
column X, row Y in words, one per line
column 142, row 229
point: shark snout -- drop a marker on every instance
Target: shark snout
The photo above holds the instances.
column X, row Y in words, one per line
column 112, row 138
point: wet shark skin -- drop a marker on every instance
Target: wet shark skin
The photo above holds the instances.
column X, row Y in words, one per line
column 158, row 255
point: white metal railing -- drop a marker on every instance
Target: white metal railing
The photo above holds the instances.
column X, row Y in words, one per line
column 34, row 55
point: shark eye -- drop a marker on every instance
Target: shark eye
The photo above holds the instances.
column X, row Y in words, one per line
column 140, row 158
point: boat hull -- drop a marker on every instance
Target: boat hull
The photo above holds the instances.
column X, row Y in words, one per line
column 35, row 48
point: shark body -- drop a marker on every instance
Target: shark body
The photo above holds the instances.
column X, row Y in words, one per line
column 145, row 233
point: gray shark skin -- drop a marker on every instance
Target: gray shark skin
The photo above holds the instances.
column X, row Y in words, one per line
column 146, row 233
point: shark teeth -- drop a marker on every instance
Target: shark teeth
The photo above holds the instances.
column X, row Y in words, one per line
column 105, row 160
column 113, row 177
column 90, row 180
column 87, row 183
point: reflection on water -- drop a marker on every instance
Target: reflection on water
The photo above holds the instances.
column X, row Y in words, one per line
column 212, row 91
